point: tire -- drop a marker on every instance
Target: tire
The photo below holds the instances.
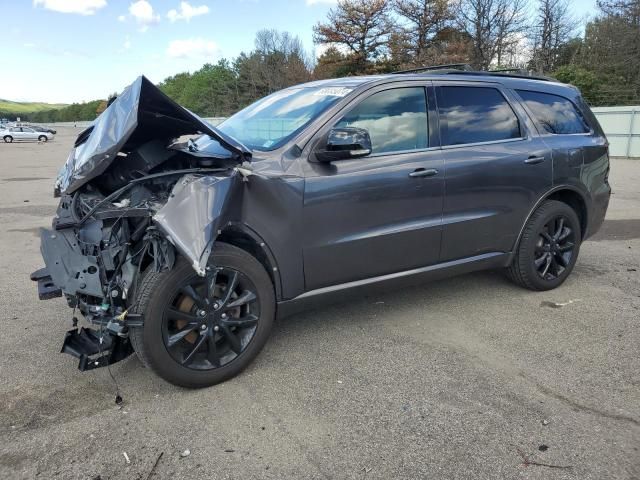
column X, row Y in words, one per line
column 42, row 138
column 542, row 263
column 8, row 139
column 155, row 299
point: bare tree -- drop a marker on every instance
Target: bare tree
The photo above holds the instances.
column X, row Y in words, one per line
column 278, row 61
column 362, row 26
column 553, row 28
column 629, row 9
column 281, row 60
column 496, row 27
column 423, row 20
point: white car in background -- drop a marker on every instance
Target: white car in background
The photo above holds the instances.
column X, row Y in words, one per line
column 24, row 134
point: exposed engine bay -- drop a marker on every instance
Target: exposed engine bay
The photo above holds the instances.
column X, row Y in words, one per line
column 129, row 195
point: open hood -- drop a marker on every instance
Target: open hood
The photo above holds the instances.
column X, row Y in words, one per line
column 141, row 113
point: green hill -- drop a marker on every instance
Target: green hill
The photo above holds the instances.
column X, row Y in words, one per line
column 7, row 106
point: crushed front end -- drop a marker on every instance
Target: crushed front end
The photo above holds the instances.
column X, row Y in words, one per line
column 128, row 205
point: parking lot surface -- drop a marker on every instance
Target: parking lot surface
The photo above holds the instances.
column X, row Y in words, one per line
column 470, row 377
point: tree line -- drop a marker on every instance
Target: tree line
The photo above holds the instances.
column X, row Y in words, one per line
column 361, row 37
column 539, row 36
column 70, row 113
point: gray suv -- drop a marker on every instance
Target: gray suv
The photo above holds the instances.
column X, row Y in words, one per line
column 184, row 249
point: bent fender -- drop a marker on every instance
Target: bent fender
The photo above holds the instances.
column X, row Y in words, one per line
column 194, row 213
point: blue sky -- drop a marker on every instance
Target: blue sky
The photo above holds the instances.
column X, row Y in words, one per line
column 78, row 50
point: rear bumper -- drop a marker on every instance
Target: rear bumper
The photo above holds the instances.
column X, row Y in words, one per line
column 599, row 206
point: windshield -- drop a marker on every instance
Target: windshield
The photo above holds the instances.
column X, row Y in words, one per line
column 270, row 122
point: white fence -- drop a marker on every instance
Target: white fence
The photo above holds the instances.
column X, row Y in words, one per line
column 620, row 124
column 622, row 127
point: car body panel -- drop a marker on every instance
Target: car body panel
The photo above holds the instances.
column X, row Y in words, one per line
column 490, row 188
column 368, row 217
column 193, row 213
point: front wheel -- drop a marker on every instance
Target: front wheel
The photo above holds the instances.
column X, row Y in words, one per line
column 548, row 249
column 42, row 138
column 202, row 331
column 8, row 139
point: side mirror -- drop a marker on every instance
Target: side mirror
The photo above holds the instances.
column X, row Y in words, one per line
column 345, row 142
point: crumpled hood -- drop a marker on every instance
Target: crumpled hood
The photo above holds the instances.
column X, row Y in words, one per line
column 140, row 113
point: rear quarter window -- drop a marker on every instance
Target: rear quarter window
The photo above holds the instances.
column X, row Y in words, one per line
column 555, row 114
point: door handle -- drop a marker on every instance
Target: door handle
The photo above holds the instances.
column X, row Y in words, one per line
column 533, row 160
column 423, row 172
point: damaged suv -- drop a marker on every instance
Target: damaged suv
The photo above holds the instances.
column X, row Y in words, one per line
column 182, row 242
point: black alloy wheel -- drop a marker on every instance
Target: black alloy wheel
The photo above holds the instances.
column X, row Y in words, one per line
column 555, row 248
column 199, row 331
column 210, row 321
column 548, row 248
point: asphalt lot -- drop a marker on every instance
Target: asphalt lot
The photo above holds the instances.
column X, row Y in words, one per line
column 465, row 378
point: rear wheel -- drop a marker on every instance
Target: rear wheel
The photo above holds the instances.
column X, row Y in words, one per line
column 8, row 139
column 548, row 249
column 42, row 138
column 202, row 331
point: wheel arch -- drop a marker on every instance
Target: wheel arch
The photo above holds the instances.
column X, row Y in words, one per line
column 245, row 238
column 577, row 202
column 566, row 194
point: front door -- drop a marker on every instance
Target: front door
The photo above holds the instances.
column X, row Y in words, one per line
column 379, row 214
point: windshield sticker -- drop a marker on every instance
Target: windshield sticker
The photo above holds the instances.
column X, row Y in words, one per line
column 333, row 92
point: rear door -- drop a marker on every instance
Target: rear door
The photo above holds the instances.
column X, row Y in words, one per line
column 17, row 134
column 379, row 214
column 496, row 166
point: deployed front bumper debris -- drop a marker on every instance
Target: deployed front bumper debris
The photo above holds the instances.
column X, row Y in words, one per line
column 131, row 200
column 94, row 349
column 67, row 265
column 46, row 288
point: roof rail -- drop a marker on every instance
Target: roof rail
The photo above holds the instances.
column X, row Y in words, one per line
column 448, row 66
column 506, row 73
column 519, row 71
column 466, row 69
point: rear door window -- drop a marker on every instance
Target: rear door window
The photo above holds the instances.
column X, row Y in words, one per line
column 474, row 115
column 396, row 119
column 555, row 114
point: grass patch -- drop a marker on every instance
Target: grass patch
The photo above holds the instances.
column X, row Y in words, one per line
column 7, row 106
